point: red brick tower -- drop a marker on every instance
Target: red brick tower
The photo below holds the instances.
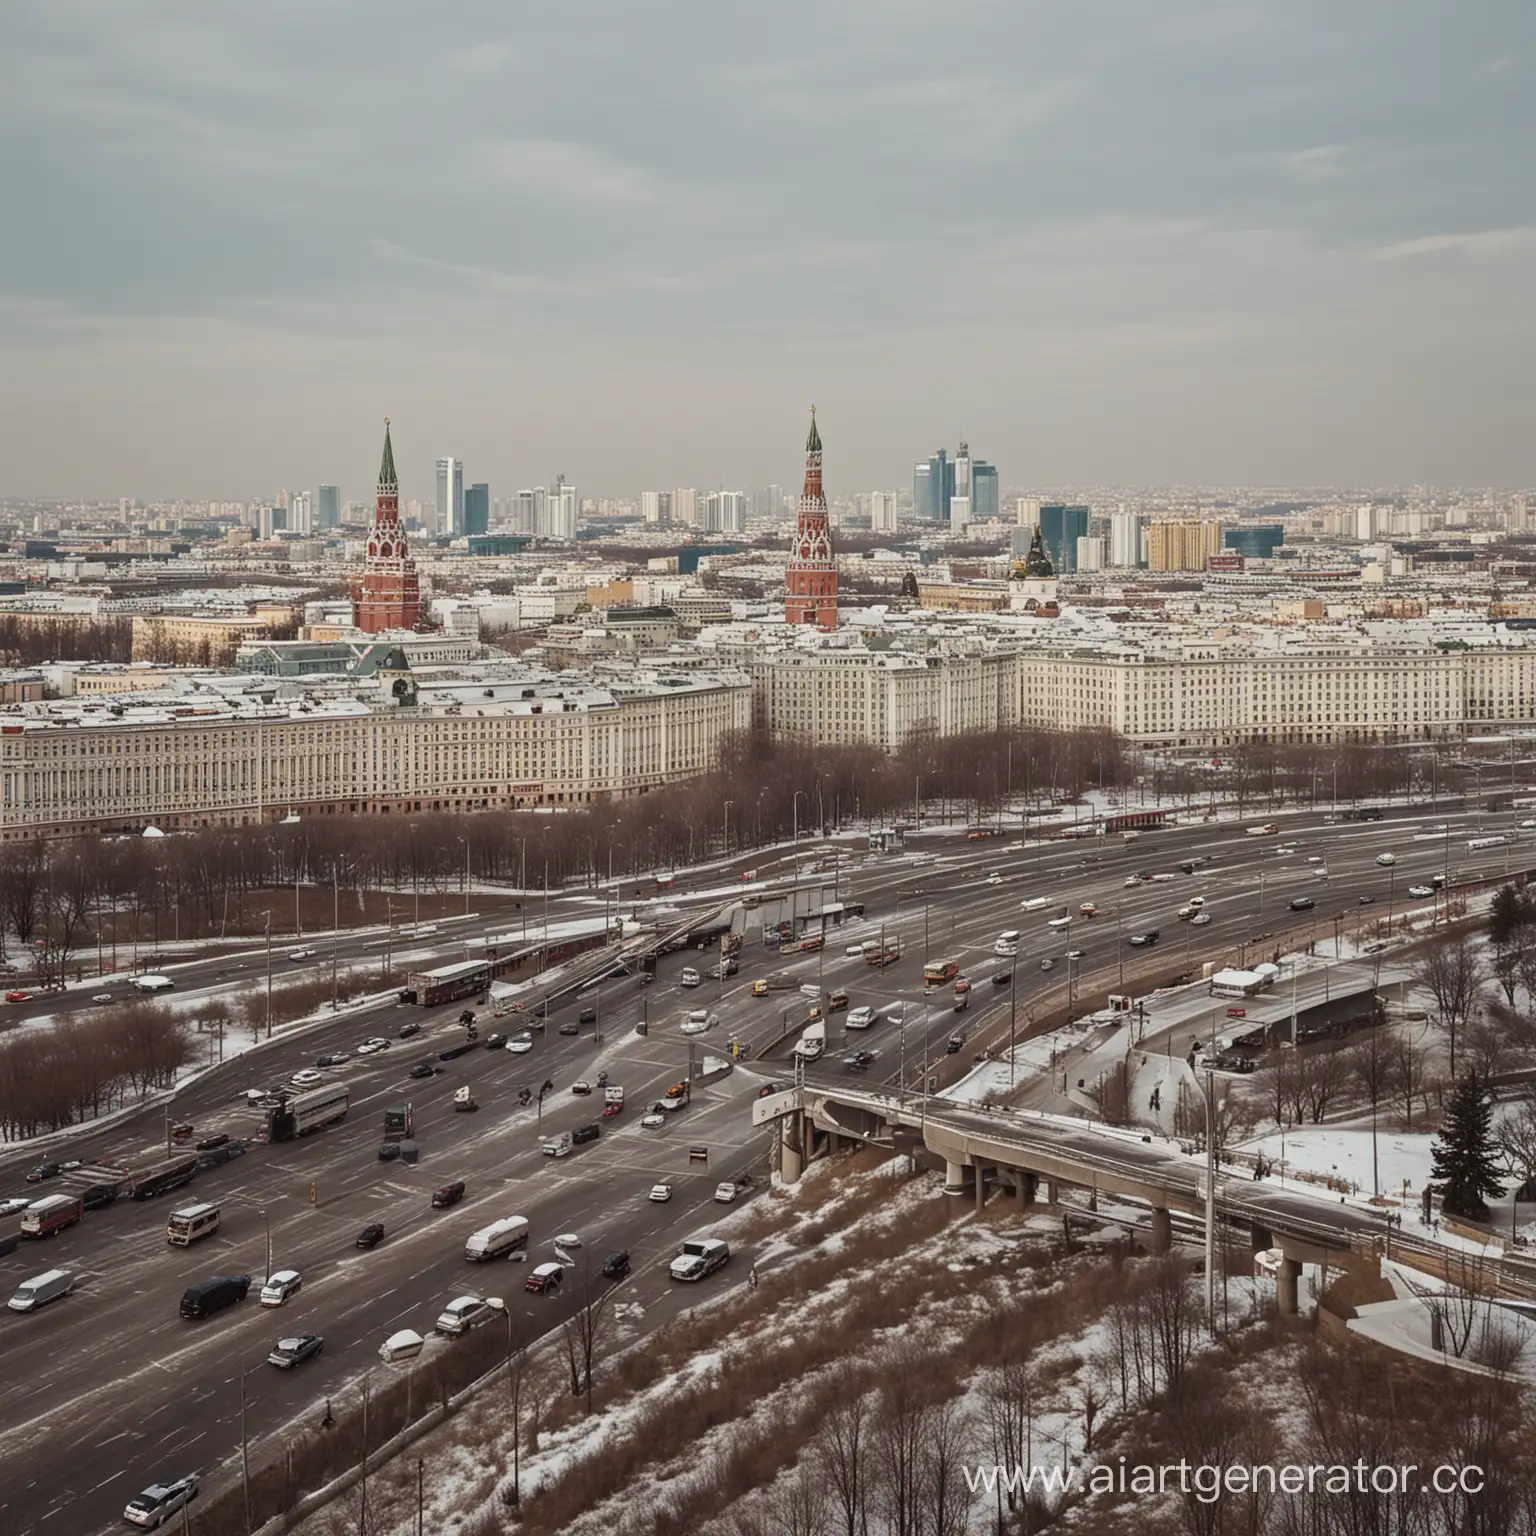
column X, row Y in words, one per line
column 390, row 596
column 810, row 582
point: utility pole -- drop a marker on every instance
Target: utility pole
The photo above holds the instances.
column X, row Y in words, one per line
column 1013, row 1019
column 245, row 1456
column 335, row 929
column 421, row 1467
column 268, row 917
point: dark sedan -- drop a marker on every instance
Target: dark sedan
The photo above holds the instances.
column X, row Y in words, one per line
column 288, row 1353
column 371, row 1235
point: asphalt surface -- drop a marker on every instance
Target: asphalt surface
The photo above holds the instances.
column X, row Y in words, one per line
column 119, row 1391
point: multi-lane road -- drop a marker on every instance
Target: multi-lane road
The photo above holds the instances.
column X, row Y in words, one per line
column 109, row 1389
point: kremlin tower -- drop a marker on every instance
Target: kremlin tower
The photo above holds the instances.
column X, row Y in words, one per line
column 810, row 582
column 390, row 597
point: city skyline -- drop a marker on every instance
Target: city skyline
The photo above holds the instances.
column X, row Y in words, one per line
column 1332, row 291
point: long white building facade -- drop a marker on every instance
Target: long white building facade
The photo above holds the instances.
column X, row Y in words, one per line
column 457, row 746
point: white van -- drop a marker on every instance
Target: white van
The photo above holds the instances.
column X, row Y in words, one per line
column 1007, row 942
column 557, row 1146
column 1059, row 922
column 401, row 1345
column 501, row 1237
column 40, row 1289
column 153, row 983
column 1034, row 903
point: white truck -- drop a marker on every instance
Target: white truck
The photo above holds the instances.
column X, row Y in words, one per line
column 510, row 1235
column 812, row 1043
column 41, row 1289
column 613, row 1094
column 557, row 1146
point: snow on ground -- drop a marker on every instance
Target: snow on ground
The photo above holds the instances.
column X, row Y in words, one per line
column 992, row 1081
column 1340, row 1159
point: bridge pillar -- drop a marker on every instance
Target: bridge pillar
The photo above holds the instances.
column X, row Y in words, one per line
column 1286, row 1287
column 1093, row 1199
column 1024, row 1187
column 1052, row 1192
column 980, row 1173
column 791, row 1158
column 1261, row 1237
column 1162, row 1229
column 954, row 1178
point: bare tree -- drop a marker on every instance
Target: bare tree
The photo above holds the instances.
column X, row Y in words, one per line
column 1173, row 1315
column 1517, row 1140
column 946, row 1451
column 1410, row 1075
column 1451, row 971
column 1318, row 1081
column 1371, row 1064
column 843, row 1451
column 583, row 1331
column 900, row 1441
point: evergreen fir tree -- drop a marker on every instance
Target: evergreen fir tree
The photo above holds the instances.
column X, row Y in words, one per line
column 1463, row 1152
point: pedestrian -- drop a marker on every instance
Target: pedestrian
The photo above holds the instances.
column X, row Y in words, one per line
column 752, row 1277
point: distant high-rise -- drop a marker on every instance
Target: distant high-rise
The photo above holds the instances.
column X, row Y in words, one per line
column 327, row 506
column 685, row 506
column 1125, row 540
column 301, row 514
column 933, row 488
column 986, row 504
column 1182, row 546
column 528, row 511
column 769, row 502
column 726, row 511
column 559, row 511
column 1029, row 511
column 1060, row 529
column 810, row 579
column 960, row 499
column 477, row 509
column 1090, row 554
column 883, row 511
column 650, row 505
column 450, row 497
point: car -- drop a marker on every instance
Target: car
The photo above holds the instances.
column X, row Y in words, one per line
column 860, row 1018
column 1185, row 913
column 676, row 1091
column 370, row 1047
column 953, row 1044
column 727, row 967
column 697, row 1022
column 423, row 1069
column 495, row 1042
column 70, row 1164
column 1132, row 880
column 208, row 1143
column 307, row 1077
column 160, row 1501
column 585, row 1133
column 994, row 878
column 332, row 1059
column 581, row 1087
column 570, row 1027
column 1001, row 978
column 853, row 951
column 1302, row 904
column 689, row 978
column 768, row 1088
column 1286, row 848
column 699, row 1257
column 1200, row 919
column 616, row 1266
column 587, row 1016
column 837, row 1002
column 14, row 1205
column 1420, row 891
column 545, row 1279
column 44, row 1172
column 280, row 1287
column 371, row 1235
column 1386, row 860
column 401, row 1346
column 1365, row 901
column 760, row 987
column 448, row 1195
column 1316, row 858
column 287, row 1353
column 302, row 954
column 612, row 1109
column 521, row 1043
column 101, row 997
column 18, row 997
column 98, row 1197
column 1047, row 963
column 567, row 1240
column 1140, row 940
column 725, row 1193
column 859, row 1060
column 409, row 1030
column 653, row 1121
column 661, row 1193
column 466, row 1312
column 1077, row 954
column 389, row 1152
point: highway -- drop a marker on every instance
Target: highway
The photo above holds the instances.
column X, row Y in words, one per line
column 119, row 1391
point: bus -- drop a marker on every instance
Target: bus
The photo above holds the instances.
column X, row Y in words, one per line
column 190, row 1223
column 51, row 1214
column 665, row 880
column 806, row 946
column 174, row 1173
column 881, row 955
column 448, row 983
column 303, row 1113
column 1135, row 821
column 937, row 972
column 1474, row 843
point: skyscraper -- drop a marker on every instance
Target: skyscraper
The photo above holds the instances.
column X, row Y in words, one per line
column 883, row 511
column 960, row 499
column 726, row 511
column 986, row 504
column 650, row 505
column 528, row 512
column 327, row 506
column 1125, row 537
column 923, row 501
column 933, row 492
column 301, row 514
column 810, row 580
column 477, row 509
column 1182, row 546
column 685, row 506
column 450, row 497
column 559, row 510
column 390, row 595
column 1060, row 529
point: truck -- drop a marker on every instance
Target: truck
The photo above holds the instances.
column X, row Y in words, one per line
column 397, row 1122
column 191, row 1223
column 613, row 1094
column 41, row 1289
column 812, row 1043
column 300, row 1114
column 557, row 1146
column 510, row 1235
column 51, row 1214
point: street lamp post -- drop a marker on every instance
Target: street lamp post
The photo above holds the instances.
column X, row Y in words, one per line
column 727, row 837
column 268, row 916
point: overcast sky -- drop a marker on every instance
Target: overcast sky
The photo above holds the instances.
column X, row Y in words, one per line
column 1132, row 241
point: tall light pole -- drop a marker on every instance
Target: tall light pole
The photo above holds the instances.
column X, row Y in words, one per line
column 1013, row 1018
column 726, row 848
column 465, row 842
column 268, row 916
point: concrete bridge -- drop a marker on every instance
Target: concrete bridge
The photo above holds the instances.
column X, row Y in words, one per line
column 987, row 1149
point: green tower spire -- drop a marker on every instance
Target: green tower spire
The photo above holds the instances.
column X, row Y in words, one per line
column 813, row 441
column 387, row 467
